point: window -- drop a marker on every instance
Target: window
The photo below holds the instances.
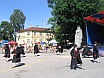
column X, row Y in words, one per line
column 28, row 41
column 34, row 40
column 34, row 33
column 28, row 32
column 40, row 33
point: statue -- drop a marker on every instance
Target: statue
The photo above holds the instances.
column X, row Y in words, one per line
column 78, row 37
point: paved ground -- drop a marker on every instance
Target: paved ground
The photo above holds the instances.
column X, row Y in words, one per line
column 50, row 65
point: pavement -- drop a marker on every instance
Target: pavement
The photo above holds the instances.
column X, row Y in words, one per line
column 50, row 65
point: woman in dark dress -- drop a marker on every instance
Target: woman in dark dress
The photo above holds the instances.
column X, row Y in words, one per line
column 36, row 49
column 59, row 49
column 75, row 57
column 22, row 49
column 17, row 55
column 95, row 53
column 7, row 51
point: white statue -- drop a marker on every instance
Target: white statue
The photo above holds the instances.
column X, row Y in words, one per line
column 78, row 37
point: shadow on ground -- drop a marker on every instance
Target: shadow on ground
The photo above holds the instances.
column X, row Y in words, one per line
column 92, row 61
column 19, row 65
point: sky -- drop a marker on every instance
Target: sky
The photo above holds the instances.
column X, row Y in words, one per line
column 37, row 12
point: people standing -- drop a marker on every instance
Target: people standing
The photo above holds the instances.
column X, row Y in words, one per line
column 59, row 49
column 96, row 53
column 7, row 51
column 75, row 57
column 36, row 49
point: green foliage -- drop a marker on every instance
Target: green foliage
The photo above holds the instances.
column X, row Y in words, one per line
column 17, row 19
column 6, row 31
column 68, row 14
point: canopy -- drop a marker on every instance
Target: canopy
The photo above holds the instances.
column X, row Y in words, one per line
column 3, row 42
column 53, row 41
column 94, row 28
column 96, row 18
column 37, row 42
column 42, row 42
column 12, row 42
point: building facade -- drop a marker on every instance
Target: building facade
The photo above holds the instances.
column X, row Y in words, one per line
column 32, row 35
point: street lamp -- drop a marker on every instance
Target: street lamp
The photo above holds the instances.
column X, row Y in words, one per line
column 15, row 35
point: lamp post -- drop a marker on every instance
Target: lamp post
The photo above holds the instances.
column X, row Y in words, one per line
column 15, row 35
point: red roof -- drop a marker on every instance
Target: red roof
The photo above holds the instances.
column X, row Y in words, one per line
column 97, row 18
column 34, row 29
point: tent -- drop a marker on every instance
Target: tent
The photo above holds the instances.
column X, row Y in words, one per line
column 42, row 43
column 95, row 28
column 12, row 42
column 3, row 42
column 53, row 41
column 37, row 42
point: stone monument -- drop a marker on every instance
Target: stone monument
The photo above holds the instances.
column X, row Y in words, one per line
column 78, row 36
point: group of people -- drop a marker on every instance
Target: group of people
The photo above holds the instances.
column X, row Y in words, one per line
column 75, row 54
column 76, row 58
column 17, row 51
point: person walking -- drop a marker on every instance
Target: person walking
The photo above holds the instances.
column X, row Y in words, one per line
column 36, row 50
column 75, row 57
column 7, row 52
column 17, row 56
column 96, row 53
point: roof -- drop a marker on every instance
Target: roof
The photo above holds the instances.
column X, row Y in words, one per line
column 33, row 29
column 96, row 18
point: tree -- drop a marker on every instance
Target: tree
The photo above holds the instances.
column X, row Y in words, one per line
column 68, row 14
column 6, row 30
column 17, row 19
